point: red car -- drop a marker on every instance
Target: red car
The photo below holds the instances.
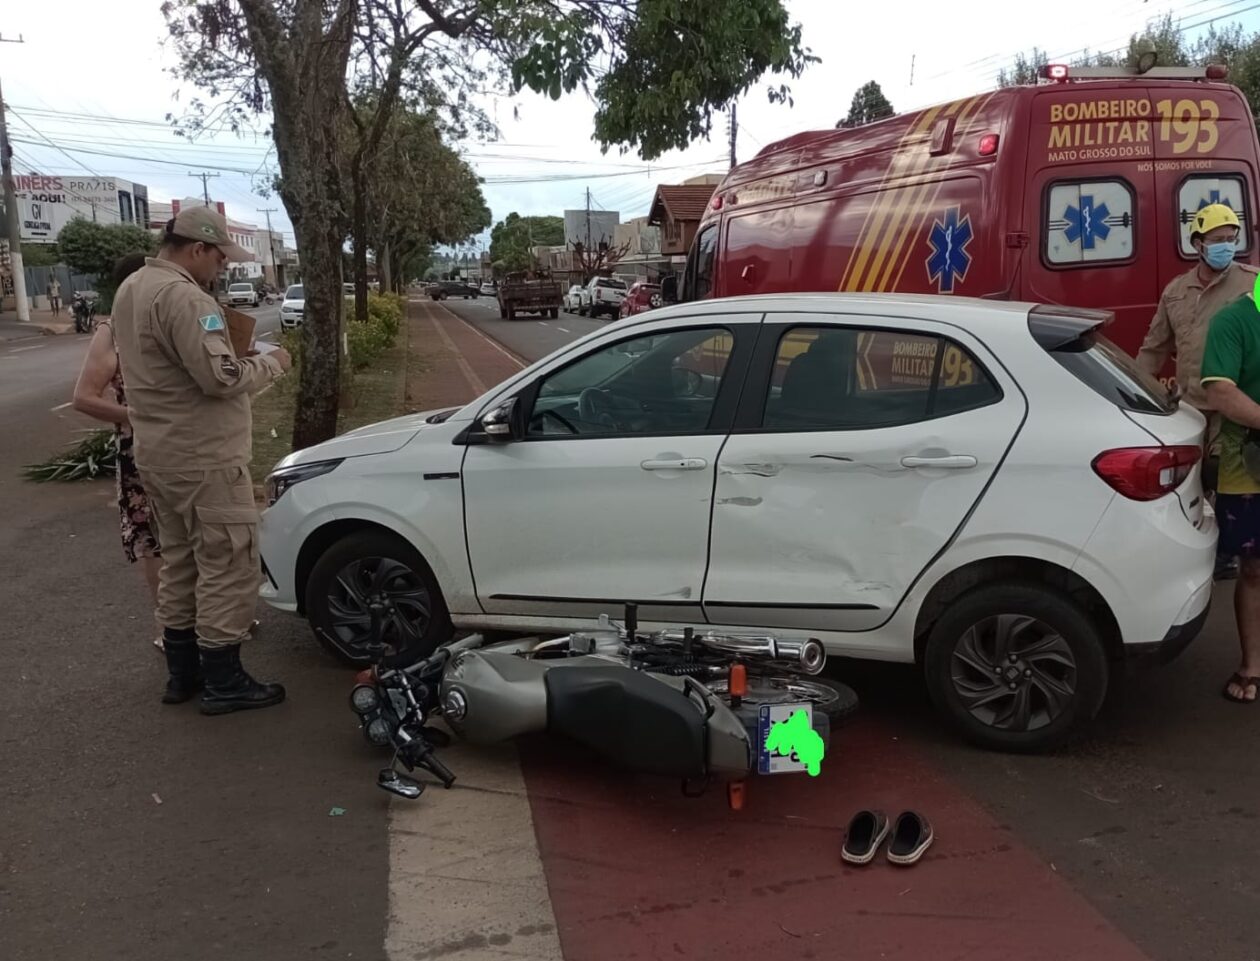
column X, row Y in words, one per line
column 642, row 296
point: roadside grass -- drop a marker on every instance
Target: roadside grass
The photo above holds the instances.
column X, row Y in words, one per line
column 376, row 393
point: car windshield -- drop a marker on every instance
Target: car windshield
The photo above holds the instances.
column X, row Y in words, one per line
column 295, row 293
column 241, row 288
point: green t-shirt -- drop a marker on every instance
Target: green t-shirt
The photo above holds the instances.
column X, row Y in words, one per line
column 1232, row 353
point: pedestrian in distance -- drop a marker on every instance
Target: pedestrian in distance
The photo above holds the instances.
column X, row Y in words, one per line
column 54, row 295
column 189, row 404
column 1179, row 328
column 99, row 393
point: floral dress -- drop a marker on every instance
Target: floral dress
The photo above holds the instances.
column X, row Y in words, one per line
column 138, row 536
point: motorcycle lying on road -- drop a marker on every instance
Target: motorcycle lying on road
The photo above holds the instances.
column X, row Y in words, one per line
column 697, row 706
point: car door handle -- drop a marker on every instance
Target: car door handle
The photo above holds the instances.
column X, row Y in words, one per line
column 946, row 461
column 676, row 463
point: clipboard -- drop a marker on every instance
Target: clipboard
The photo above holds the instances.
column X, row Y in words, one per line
column 240, row 330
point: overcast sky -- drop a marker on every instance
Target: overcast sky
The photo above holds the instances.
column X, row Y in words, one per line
column 93, row 100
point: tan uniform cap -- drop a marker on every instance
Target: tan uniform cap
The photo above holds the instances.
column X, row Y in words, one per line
column 210, row 227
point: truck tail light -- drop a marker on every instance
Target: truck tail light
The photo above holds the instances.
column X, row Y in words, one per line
column 988, row 145
column 1146, row 473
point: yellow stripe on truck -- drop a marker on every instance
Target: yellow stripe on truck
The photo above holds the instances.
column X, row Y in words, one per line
column 903, row 206
column 929, row 209
column 921, row 206
column 877, row 214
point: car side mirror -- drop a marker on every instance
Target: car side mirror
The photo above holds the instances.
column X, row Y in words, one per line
column 502, row 424
column 669, row 289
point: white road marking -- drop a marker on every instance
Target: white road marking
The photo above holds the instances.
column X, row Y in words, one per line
column 564, row 329
column 264, row 336
column 18, row 350
column 63, row 406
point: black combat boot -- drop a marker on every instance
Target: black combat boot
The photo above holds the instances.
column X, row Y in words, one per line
column 183, row 665
column 228, row 687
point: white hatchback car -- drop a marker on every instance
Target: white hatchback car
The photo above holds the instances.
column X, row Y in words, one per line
column 990, row 490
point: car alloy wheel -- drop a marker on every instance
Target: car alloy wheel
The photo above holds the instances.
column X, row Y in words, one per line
column 1013, row 672
column 381, row 588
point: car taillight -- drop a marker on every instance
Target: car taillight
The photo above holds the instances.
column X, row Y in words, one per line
column 1146, row 473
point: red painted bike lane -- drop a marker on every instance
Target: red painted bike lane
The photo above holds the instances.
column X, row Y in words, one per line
column 637, row 871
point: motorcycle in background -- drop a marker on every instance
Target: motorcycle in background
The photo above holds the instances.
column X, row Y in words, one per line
column 84, row 311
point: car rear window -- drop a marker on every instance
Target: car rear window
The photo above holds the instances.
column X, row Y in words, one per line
column 616, row 284
column 1108, row 371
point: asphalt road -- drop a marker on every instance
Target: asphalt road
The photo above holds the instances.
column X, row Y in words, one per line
column 1154, row 819
column 129, row 829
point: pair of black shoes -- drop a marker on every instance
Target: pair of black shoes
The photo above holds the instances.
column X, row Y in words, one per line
column 216, row 672
column 908, row 839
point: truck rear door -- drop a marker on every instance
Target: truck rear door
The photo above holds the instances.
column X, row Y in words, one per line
column 1205, row 152
column 1092, row 205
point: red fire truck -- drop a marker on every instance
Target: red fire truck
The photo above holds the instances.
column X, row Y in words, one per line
column 1079, row 191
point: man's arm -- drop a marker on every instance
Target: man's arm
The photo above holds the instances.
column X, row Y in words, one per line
column 1158, row 345
column 1231, row 402
column 198, row 334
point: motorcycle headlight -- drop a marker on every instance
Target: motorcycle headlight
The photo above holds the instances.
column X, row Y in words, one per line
column 280, row 481
column 364, row 699
column 378, row 731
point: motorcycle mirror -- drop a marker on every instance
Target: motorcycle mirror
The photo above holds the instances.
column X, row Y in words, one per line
column 399, row 784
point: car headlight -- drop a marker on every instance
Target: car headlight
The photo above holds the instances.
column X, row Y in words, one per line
column 280, row 481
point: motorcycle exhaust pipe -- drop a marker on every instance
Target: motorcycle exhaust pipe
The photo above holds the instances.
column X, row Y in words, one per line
column 807, row 656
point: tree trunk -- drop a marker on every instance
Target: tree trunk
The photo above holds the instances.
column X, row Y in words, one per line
column 384, row 267
column 308, row 125
column 358, row 176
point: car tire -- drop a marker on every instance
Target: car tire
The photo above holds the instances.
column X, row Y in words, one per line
column 351, row 561
column 1043, row 699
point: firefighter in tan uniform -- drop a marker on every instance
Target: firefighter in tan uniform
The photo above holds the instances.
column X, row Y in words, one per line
column 189, row 399
column 1180, row 325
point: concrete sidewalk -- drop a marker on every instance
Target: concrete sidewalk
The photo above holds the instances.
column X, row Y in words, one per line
column 42, row 323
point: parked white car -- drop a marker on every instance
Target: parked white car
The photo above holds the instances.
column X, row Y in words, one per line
column 488, row 289
column 604, row 296
column 576, row 299
column 242, row 295
column 292, row 307
column 991, row 491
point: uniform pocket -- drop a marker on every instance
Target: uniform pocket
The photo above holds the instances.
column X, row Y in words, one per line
column 232, row 529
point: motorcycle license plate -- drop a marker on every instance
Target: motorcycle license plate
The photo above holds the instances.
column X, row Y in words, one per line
column 780, row 758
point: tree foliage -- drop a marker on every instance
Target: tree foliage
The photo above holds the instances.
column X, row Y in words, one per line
column 657, row 69
column 869, row 104
column 92, row 248
column 514, row 236
column 1230, row 45
column 422, row 194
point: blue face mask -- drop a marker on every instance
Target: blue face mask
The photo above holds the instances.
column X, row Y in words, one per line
column 1218, row 256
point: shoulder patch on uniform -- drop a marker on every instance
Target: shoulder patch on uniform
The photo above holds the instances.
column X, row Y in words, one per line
column 212, row 322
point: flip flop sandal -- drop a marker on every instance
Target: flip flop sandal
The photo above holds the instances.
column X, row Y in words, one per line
column 1244, row 682
column 911, row 836
column 866, row 833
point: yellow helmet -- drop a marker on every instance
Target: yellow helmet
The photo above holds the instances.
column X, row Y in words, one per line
column 1212, row 216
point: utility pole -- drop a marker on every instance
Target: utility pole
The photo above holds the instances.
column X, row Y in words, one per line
column 205, row 187
column 271, row 243
column 588, row 220
column 734, row 133
column 12, row 221
column 912, row 70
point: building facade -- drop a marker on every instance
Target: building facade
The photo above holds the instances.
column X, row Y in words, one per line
column 47, row 202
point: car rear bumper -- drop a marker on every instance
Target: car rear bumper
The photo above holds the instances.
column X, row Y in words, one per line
column 1182, row 634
